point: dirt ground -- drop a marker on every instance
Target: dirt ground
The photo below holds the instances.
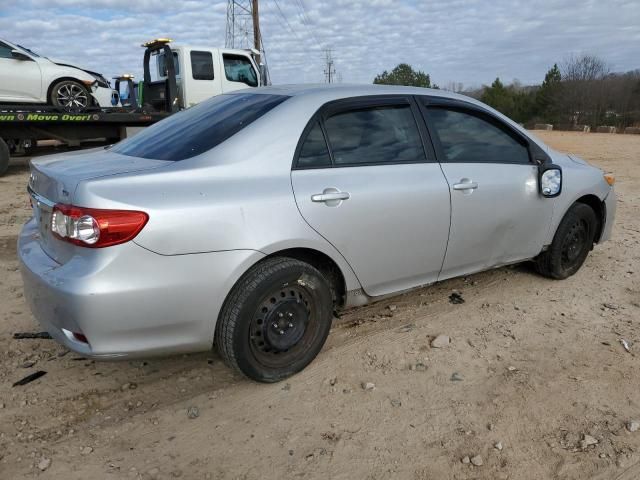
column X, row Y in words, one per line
column 534, row 365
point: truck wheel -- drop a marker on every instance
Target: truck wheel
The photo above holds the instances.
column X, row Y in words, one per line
column 4, row 157
column 70, row 95
column 571, row 243
column 275, row 320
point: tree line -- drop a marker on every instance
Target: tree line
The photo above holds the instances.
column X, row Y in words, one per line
column 582, row 90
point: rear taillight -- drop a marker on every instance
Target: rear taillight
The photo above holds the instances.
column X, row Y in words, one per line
column 96, row 228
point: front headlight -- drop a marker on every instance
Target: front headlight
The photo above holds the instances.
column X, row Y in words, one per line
column 101, row 81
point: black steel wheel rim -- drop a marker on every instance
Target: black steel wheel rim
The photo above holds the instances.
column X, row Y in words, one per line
column 283, row 326
column 574, row 243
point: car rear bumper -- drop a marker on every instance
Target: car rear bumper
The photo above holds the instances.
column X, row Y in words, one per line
column 126, row 300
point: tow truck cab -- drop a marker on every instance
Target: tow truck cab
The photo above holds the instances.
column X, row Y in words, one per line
column 196, row 73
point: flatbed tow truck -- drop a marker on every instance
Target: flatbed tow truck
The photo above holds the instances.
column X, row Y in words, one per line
column 21, row 127
column 194, row 75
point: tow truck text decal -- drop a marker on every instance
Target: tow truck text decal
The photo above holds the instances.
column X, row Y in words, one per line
column 47, row 117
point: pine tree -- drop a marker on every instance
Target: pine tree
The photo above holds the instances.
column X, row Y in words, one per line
column 404, row 74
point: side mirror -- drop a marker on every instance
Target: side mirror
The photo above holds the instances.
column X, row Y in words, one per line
column 18, row 55
column 263, row 74
column 550, row 180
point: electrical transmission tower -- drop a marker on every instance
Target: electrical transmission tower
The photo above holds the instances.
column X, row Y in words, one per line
column 329, row 69
column 243, row 27
column 243, row 30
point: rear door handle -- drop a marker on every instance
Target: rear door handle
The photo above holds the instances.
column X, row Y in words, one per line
column 465, row 185
column 330, row 197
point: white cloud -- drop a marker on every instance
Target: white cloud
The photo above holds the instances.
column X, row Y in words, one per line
column 469, row 41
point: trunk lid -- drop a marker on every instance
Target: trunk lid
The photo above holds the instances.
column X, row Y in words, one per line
column 54, row 179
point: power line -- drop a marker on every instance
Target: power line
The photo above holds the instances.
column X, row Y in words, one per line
column 306, row 22
column 285, row 19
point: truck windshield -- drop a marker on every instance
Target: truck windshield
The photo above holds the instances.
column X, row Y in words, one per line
column 200, row 128
column 238, row 68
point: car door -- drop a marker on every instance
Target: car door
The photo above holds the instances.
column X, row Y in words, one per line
column 365, row 179
column 20, row 78
column 497, row 214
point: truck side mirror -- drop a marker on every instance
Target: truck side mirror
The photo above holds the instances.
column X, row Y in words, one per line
column 263, row 74
column 18, row 55
column 550, row 180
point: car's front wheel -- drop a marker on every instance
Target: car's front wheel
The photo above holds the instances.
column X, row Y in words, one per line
column 571, row 243
column 70, row 96
column 275, row 320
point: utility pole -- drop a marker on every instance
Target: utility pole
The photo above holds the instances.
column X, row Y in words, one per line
column 329, row 69
column 257, row 40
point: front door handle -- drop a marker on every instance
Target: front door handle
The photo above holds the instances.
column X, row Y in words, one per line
column 330, row 197
column 465, row 184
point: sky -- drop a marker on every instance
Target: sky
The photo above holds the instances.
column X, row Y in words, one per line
column 466, row 41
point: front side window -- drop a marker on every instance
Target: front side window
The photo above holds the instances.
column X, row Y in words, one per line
column 199, row 128
column 467, row 138
column 386, row 134
column 314, row 152
column 202, row 65
column 239, row 68
column 5, row 51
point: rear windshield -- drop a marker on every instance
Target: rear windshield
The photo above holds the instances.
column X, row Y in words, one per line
column 199, row 128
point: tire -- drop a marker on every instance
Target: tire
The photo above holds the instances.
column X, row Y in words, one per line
column 71, row 96
column 275, row 319
column 571, row 243
column 4, row 157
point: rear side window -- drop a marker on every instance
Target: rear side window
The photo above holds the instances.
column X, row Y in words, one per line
column 467, row 138
column 314, row 152
column 199, row 128
column 238, row 68
column 375, row 135
column 201, row 65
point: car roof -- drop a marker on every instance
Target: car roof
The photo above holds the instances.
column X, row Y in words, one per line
column 322, row 93
column 336, row 91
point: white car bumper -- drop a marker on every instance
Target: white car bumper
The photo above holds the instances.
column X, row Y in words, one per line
column 103, row 96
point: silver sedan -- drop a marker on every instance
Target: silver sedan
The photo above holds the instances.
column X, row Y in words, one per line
column 246, row 221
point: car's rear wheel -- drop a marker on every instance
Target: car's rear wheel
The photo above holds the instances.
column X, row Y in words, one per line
column 571, row 243
column 275, row 320
column 70, row 95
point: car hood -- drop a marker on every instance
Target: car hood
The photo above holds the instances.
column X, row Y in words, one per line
column 56, row 177
column 63, row 63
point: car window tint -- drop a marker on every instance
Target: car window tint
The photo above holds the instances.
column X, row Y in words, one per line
column 466, row 138
column 201, row 65
column 238, row 68
column 5, row 51
column 375, row 135
column 314, row 151
column 199, row 128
